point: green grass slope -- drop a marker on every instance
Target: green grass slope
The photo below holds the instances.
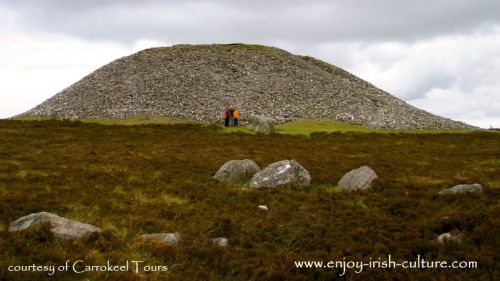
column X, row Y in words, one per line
column 299, row 127
column 131, row 180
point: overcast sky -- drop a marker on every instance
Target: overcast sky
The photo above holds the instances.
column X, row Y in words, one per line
column 442, row 55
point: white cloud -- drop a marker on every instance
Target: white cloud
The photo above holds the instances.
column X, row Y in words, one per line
column 35, row 67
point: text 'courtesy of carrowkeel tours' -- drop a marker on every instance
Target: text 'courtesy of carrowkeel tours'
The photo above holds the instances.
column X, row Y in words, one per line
column 80, row 267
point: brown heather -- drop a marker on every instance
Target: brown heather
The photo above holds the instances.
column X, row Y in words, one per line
column 131, row 180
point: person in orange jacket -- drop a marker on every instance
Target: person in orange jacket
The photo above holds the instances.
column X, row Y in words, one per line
column 236, row 116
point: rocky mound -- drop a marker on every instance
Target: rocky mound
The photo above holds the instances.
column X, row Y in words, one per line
column 197, row 82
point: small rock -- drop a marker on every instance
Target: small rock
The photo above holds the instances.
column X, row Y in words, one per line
column 62, row 228
column 282, row 173
column 236, row 171
column 463, row 189
column 450, row 237
column 169, row 239
column 220, row 241
column 263, row 207
column 358, row 179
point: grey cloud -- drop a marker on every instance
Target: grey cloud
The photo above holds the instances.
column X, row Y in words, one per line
column 427, row 82
column 373, row 39
column 255, row 21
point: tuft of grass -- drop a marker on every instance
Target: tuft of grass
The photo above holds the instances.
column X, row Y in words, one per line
column 137, row 120
column 244, row 47
column 239, row 129
column 307, row 127
column 227, row 47
column 170, row 199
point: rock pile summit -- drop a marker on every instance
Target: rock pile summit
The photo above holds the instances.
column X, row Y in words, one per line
column 196, row 82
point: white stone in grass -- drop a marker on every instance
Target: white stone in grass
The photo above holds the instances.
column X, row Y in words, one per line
column 463, row 189
column 169, row 239
column 220, row 241
column 450, row 237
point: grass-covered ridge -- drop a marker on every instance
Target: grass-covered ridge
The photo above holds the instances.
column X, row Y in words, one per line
column 227, row 47
column 131, row 180
column 298, row 127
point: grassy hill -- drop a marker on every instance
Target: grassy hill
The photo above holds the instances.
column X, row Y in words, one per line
column 131, row 180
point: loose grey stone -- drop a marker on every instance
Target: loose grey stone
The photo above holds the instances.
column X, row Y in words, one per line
column 463, row 189
column 261, row 124
column 169, row 239
column 450, row 237
column 358, row 179
column 282, row 173
column 196, row 82
column 220, row 241
column 62, row 228
column 236, row 171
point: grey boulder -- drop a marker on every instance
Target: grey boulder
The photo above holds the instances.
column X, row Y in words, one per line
column 282, row 173
column 169, row 239
column 261, row 124
column 62, row 228
column 463, row 189
column 236, row 171
column 358, row 179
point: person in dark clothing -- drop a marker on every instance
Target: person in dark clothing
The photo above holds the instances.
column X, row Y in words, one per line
column 226, row 117
column 231, row 115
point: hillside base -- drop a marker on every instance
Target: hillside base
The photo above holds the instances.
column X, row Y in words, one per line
column 298, row 127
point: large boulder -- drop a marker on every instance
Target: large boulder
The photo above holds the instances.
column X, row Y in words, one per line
column 358, row 179
column 463, row 189
column 282, row 173
column 169, row 239
column 261, row 124
column 62, row 228
column 236, row 171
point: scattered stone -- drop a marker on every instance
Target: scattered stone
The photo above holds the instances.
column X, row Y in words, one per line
column 463, row 189
column 282, row 173
column 62, row 228
column 450, row 237
column 220, row 241
column 261, row 124
column 358, row 179
column 169, row 239
column 263, row 207
column 236, row 171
